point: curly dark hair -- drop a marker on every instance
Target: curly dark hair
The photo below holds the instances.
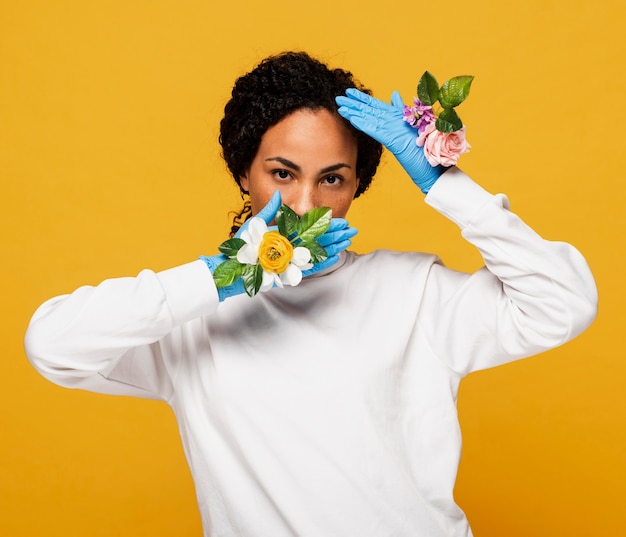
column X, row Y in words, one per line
column 275, row 88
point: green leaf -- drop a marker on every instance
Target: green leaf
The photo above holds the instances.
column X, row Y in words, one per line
column 230, row 247
column 286, row 220
column 252, row 278
column 318, row 254
column 227, row 272
column 455, row 91
column 448, row 121
column 428, row 89
column 314, row 223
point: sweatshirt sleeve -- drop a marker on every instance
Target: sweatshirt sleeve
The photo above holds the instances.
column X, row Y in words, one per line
column 125, row 329
column 531, row 296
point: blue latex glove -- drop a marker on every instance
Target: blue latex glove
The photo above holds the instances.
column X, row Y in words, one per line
column 384, row 122
column 335, row 240
column 267, row 214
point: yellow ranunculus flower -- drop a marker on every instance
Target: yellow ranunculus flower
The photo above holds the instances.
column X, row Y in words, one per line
column 275, row 252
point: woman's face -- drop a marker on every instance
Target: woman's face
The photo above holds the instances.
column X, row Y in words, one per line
column 310, row 156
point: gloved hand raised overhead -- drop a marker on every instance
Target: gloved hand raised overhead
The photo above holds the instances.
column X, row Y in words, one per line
column 385, row 123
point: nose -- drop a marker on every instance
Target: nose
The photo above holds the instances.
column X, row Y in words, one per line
column 303, row 200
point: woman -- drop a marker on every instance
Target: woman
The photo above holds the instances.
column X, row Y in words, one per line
column 327, row 408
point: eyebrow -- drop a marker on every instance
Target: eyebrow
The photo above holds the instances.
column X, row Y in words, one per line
column 294, row 166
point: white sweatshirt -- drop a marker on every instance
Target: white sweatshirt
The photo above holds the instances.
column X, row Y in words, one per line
column 327, row 409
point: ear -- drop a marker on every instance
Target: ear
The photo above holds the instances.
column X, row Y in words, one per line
column 244, row 182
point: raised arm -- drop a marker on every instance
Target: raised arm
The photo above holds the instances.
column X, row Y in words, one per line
column 75, row 340
column 124, row 335
column 532, row 295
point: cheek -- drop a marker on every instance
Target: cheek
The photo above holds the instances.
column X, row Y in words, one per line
column 256, row 203
column 341, row 206
column 259, row 198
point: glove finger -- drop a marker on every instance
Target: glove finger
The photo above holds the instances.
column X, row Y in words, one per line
column 396, row 100
column 371, row 126
column 336, row 224
column 336, row 247
column 268, row 212
column 328, row 239
column 373, row 102
column 371, row 109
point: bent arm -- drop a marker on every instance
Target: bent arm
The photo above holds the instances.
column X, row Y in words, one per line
column 76, row 340
column 532, row 295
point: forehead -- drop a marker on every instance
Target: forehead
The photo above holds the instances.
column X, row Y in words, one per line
column 310, row 133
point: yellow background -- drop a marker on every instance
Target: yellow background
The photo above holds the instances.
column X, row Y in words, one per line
column 109, row 164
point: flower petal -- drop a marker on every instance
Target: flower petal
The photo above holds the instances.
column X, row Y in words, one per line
column 301, row 257
column 292, row 275
column 256, row 229
column 248, row 254
column 268, row 282
column 245, row 236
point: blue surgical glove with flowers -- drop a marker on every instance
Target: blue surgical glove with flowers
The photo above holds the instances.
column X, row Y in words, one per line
column 427, row 137
column 259, row 257
column 386, row 124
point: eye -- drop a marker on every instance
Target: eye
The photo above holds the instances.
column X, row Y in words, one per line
column 333, row 179
column 281, row 174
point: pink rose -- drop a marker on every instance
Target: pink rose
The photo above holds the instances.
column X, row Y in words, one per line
column 442, row 147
